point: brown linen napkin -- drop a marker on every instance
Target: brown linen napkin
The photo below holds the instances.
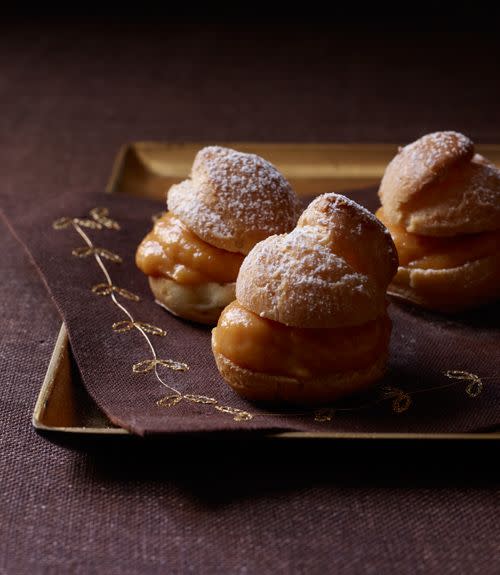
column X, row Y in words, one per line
column 442, row 376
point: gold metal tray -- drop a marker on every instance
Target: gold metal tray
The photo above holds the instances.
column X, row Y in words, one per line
column 147, row 169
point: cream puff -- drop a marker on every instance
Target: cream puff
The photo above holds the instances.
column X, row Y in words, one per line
column 310, row 322
column 193, row 254
column 441, row 203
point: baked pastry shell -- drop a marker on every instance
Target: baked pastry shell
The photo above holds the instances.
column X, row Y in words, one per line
column 256, row 386
column 452, row 290
column 202, row 303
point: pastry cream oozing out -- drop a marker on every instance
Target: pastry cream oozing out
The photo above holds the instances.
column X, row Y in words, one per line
column 266, row 346
column 426, row 252
column 172, row 250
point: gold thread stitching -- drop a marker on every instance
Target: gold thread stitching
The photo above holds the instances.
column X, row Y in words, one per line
column 86, row 251
column 169, row 400
column 126, row 325
column 324, row 414
column 401, row 400
column 65, row 222
column 99, row 219
column 238, row 414
column 100, row 216
column 147, row 365
column 107, row 289
column 201, row 399
column 475, row 385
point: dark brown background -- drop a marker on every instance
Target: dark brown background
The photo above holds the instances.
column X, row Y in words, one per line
column 70, row 96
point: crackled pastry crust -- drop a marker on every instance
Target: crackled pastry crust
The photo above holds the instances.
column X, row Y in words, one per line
column 234, row 200
column 437, row 187
column 331, row 270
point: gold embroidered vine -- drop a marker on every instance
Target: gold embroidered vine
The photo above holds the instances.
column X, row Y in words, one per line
column 97, row 220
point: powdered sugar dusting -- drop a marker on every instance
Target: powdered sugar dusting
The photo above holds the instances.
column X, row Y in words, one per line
column 304, row 283
column 324, row 209
column 420, row 162
column 234, row 196
column 485, row 184
column 250, row 187
column 431, row 149
column 467, row 201
column 185, row 201
column 354, row 233
column 418, row 166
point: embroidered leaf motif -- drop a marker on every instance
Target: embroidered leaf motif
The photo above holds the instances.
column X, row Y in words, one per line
column 126, row 325
column 324, row 415
column 98, row 219
column 86, row 251
column 169, row 401
column 401, row 400
column 63, row 223
column 475, row 385
column 239, row 414
column 100, row 216
column 148, row 365
column 107, row 289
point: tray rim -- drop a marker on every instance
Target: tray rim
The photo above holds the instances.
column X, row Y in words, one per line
column 378, row 153
column 62, row 345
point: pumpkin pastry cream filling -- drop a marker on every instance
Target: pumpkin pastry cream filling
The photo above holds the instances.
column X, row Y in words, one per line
column 441, row 203
column 193, row 254
column 310, row 322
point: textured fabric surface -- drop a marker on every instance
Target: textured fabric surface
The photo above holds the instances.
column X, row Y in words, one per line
column 69, row 99
column 416, row 395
